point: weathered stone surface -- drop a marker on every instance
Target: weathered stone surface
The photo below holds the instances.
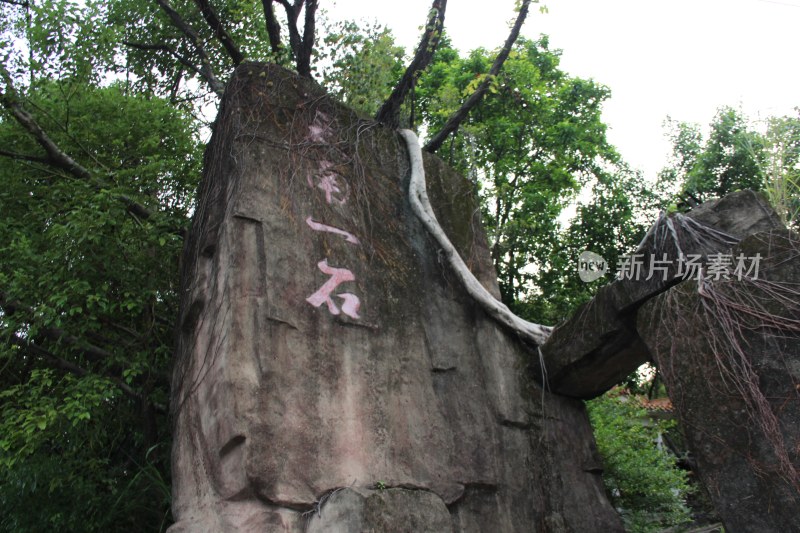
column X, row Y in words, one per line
column 739, row 213
column 598, row 346
column 323, row 344
column 351, row 510
column 729, row 353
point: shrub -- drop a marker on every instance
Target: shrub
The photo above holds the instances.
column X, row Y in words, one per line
column 643, row 481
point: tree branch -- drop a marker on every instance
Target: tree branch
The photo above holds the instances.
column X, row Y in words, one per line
column 292, row 14
column 59, row 159
column 307, row 45
column 205, row 68
column 453, row 122
column 55, row 361
column 302, row 45
column 24, row 157
column 273, row 28
column 219, row 30
column 62, row 364
column 170, row 50
column 91, row 352
column 55, row 156
column 389, row 113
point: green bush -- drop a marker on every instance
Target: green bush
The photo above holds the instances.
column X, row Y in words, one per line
column 643, row 482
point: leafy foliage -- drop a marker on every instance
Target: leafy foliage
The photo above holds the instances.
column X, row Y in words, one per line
column 363, row 64
column 736, row 155
column 732, row 158
column 611, row 221
column 642, row 480
column 783, row 167
column 530, row 165
column 88, row 294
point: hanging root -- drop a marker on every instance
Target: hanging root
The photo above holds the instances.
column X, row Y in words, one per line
column 731, row 312
column 529, row 331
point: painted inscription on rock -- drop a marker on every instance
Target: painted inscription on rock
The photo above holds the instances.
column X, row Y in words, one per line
column 336, row 192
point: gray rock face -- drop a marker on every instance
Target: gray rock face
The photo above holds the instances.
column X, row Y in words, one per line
column 740, row 214
column 323, row 345
column 729, row 353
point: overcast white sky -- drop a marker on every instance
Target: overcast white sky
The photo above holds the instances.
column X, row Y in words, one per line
column 682, row 58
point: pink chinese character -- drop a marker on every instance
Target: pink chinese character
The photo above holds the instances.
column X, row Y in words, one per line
column 320, row 129
column 328, row 184
column 350, row 302
column 316, row 226
column 328, row 181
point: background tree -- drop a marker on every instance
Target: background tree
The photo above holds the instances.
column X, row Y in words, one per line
column 362, row 64
column 642, row 480
column 738, row 154
column 611, row 217
column 88, row 297
column 530, row 165
column 98, row 174
column 732, row 158
column 783, row 167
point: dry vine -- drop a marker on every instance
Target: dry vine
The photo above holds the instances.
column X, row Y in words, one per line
column 734, row 312
column 728, row 312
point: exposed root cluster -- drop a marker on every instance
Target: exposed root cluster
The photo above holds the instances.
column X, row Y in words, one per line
column 731, row 313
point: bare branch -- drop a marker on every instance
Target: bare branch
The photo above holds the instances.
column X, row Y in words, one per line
column 307, row 46
column 273, row 28
column 219, row 30
column 205, row 68
column 301, row 45
column 453, row 122
column 292, row 14
column 390, row 110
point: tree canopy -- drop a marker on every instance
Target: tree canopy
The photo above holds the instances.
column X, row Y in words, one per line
column 736, row 154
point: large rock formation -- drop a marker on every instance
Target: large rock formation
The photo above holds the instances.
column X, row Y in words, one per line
column 729, row 353
column 599, row 345
column 330, row 373
column 726, row 339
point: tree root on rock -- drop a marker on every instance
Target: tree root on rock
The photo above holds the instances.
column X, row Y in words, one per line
column 530, row 332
